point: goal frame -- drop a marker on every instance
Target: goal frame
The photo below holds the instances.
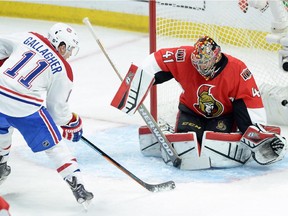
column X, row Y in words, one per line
column 153, row 45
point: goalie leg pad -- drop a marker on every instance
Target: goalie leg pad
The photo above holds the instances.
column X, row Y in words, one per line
column 185, row 144
column 225, row 149
column 188, row 149
column 266, row 147
column 149, row 145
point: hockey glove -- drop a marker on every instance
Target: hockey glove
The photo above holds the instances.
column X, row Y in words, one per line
column 277, row 144
column 73, row 129
column 266, row 147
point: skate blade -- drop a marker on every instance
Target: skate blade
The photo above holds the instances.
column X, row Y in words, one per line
column 85, row 205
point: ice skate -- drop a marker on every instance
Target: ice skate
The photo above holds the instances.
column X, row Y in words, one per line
column 5, row 170
column 81, row 194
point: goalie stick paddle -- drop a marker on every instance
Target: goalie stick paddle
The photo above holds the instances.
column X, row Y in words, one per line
column 169, row 185
column 145, row 114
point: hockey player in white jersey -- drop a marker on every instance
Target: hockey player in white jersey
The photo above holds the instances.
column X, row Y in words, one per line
column 35, row 85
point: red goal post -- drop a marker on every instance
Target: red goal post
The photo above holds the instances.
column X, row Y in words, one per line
column 176, row 23
column 152, row 40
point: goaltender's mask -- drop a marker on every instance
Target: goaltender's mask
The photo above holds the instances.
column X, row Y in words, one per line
column 205, row 55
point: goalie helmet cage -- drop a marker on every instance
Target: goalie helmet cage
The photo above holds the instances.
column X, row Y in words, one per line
column 175, row 23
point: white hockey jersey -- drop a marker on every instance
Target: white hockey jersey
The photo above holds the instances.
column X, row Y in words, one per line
column 33, row 74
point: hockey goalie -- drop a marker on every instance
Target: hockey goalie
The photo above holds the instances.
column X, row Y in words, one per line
column 221, row 119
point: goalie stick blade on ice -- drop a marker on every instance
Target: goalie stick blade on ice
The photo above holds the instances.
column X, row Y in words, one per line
column 170, row 185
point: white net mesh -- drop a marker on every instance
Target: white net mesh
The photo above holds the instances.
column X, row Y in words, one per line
column 239, row 34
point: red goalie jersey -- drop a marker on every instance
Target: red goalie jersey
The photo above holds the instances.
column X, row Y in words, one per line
column 232, row 89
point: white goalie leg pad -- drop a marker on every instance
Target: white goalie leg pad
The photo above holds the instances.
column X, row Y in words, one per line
column 188, row 149
column 225, row 149
column 185, row 144
column 266, row 147
column 133, row 90
column 149, row 145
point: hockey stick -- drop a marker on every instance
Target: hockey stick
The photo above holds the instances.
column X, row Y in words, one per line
column 145, row 114
column 169, row 185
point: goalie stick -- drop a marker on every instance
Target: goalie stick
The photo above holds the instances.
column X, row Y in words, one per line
column 145, row 114
column 169, row 185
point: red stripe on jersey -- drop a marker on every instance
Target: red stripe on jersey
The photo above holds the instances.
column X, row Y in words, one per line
column 21, row 95
column 49, row 126
column 2, row 61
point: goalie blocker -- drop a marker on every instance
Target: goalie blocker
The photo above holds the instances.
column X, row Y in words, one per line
column 133, row 90
column 129, row 98
column 218, row 150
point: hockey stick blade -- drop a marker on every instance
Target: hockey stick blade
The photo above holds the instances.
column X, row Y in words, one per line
column 166, row 186
column 170, row 185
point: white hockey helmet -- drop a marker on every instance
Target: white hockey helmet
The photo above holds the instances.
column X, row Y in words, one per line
column 205, row 56
column 61, row 32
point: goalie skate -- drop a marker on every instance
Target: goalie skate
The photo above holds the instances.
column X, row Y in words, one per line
column 80, row 193
column 5, row 170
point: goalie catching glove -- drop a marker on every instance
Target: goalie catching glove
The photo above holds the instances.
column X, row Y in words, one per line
column 73, row 129
column 266, row 147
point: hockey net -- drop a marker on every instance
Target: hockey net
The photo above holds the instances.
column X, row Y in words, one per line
column 239, row 34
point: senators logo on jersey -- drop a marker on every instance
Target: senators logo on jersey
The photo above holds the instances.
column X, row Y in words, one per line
column 207, row 105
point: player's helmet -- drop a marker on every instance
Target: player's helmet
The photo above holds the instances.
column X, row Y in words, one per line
column 63, row 33
column 205, row 55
